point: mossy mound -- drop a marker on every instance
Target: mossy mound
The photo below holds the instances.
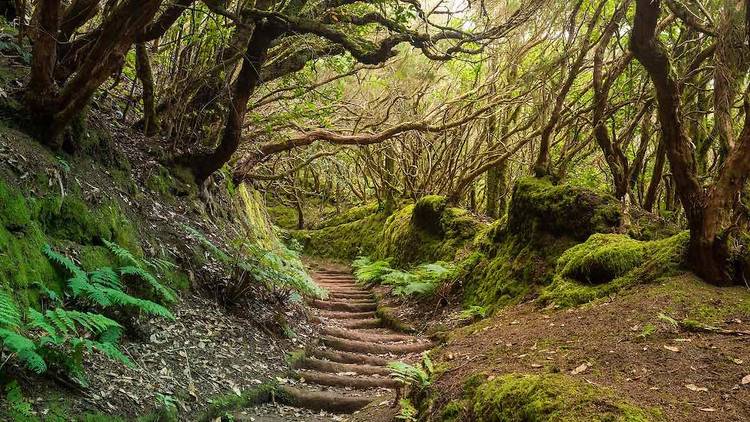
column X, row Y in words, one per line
column 515, row 257
column 351, row 215
column 549, row 397
column 427, row 231
column 283, row 216
column 27, row 224
column 344, row 241
column 563, row 210
column 606, row 263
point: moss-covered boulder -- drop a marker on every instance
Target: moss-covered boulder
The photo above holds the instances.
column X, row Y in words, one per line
column 550, row 397
column 344, row 241
column 514, row 258
column 561, row 210
column 606, row 263
column 427, row 231
column 428, row 213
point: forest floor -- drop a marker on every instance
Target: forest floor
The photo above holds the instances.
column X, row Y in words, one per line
column 635, row 344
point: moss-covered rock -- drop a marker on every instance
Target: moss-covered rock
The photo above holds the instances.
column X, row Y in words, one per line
column 344, row 241
column 606, row 263
column 550, row 397
column 350, row 215
column 514, row 258
column 428, row 212
column 561, row 210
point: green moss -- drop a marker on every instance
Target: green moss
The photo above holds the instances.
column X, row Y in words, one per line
column 550, row 397
column 283, row 216
column 561, row 210
column 514, row 258
column 225, row 403
column 605, row 264
column 160, row 181
column 452, row 411
column 21, row 240
column 389, row 319
column 350, row 215
column 427, row 231
column 345, row 241
column 428, row 212
column 69, row 218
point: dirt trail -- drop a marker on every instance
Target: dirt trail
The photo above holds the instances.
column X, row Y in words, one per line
column 347, row 368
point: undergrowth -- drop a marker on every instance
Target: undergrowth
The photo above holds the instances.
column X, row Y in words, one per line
column 422, row 280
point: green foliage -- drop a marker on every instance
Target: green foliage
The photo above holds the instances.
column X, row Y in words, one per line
column 57, row 337
column 407, row 412
column 474, row 312
column 18, row 407
column 343, row 241
column 416, row 377
column 251, row 263
column 368, row 271
column 550, row 397
column 420, row 281
column 103, row 287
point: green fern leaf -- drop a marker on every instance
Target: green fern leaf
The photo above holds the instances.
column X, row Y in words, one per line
column 10, row 317
column 163, row 292
column 121, row 253
column 62, row 261
column 106, row 277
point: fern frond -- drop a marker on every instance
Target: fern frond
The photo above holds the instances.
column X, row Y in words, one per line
column 113, row 352
column 81, row 286
column 107, row 277
column 121, row 298
column 161, row 265
column 62, row 261
column 32, row 360
column 10, row 316
column 121, row 253
column 24, row 349
column 163, row 292
column 38, row 320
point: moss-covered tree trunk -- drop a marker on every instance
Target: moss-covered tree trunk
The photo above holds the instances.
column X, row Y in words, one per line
column 143, row 69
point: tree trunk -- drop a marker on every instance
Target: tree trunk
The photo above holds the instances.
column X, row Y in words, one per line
column 40, row 92
column 203, row 165
column 143, row 69
column 653, row 186
column 707, row 255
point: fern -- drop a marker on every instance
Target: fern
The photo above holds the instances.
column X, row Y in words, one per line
column 62, row 261
column 103, row 287
column 407, row 411
column 9, row 315
column 415, row 376
column 121, row 253
column 159, row 289
column 19, row 408
column 373, row 272
column 208, row 244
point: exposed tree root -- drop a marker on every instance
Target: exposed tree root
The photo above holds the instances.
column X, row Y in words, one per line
column 375, row 348
column 365, row 336
column 347, row 357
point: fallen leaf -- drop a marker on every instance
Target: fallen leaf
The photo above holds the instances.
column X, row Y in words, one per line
column 708, row 409
column 580, row 369
column 746, row 379
column 672, row 348
column 693, row 387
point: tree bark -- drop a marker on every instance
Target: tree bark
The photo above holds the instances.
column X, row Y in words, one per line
column 705, row 208
column 41, row 91
column 203, row 165
column 143, row 69
column 653, row 186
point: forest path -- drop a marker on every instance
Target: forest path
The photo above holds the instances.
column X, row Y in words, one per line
column 347, row 367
